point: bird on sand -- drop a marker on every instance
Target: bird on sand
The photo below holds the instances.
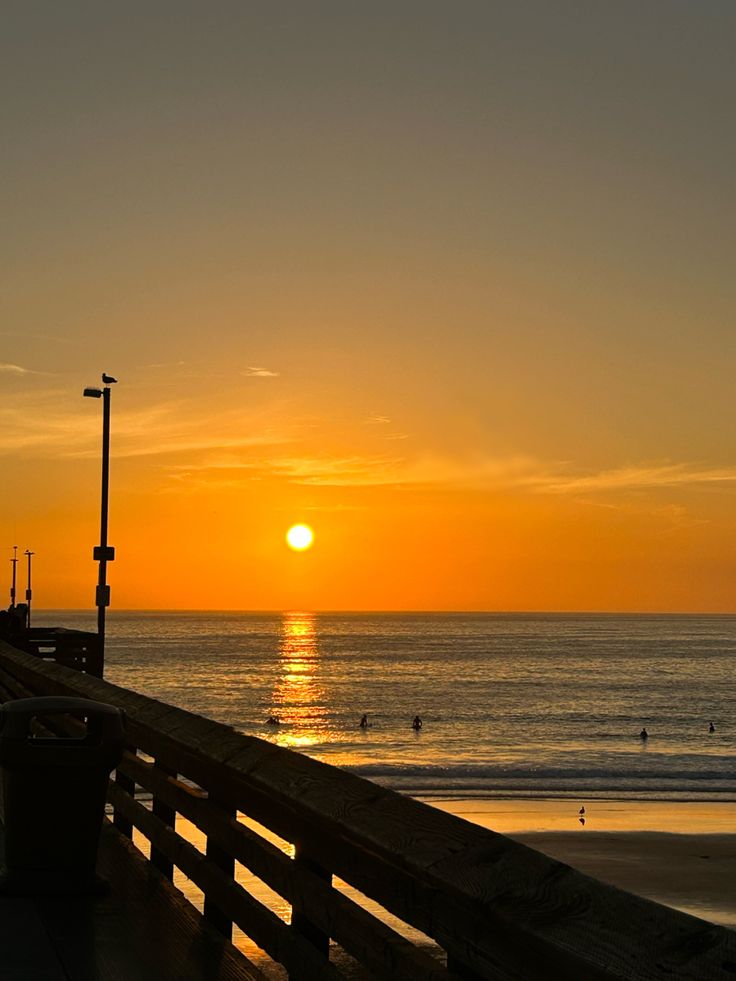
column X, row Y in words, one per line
column 582, row 810
column 108, row 379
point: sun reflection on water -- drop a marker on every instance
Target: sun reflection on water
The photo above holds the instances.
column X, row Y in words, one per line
column 298, row 698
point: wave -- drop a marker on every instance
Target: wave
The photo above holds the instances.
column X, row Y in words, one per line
column 432, row 780
column 375, row 770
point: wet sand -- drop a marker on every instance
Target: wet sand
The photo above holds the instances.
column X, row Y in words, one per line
column 679, row 854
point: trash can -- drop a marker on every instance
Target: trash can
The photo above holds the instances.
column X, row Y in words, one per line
column 54, row 792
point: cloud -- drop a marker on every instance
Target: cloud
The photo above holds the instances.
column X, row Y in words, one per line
column 323, row 471
column 19, row 372
column 253, row 372
column 518, row 472
column 15, row 369
column 363, row 471
column 639, row 477
column 230, row 445
column 50, row 424
column 377, row 420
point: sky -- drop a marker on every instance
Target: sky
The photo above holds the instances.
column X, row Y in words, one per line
column 452, row 283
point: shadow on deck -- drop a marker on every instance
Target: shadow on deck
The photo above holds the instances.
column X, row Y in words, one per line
column 144, row 930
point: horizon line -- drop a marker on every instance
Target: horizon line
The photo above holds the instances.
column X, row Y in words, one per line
column 383, row 612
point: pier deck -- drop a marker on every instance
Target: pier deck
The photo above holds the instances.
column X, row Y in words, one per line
column 144, row 929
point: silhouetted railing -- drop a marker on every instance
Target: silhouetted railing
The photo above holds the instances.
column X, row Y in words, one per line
column 78, row 649
column 488, row 906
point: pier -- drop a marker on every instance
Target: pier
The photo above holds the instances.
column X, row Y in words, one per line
column 475, row 904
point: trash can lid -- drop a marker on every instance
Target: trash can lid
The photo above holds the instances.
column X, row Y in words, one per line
column 15, row 715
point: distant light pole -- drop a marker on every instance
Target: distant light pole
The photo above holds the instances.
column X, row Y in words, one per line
column 14, row 560
column 103, row 553
column 29, row 593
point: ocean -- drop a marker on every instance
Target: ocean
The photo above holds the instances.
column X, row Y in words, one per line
column 512, row 705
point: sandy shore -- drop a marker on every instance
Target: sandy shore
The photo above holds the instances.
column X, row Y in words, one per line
column 679, row 854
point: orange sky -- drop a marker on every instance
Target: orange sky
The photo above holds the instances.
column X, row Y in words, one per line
column 454, row 289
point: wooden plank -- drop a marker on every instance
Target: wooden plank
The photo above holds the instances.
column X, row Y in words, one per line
column 167, row 814
column 224, row 861
column 26, row 953
column 126, row 785
column 11, row 684
column 301, row 920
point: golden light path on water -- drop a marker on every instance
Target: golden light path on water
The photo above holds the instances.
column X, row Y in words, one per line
column 298, row 698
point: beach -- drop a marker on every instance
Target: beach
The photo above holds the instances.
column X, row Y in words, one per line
column 681, row 854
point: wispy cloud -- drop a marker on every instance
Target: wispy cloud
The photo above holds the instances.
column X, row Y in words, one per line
column 252, row 372
column 34, row 423
column 375, row 419
column 538, row 476
column 638, row 477
column 338, row 471
column 16, row 369
column 520, row 472
column 226, row 445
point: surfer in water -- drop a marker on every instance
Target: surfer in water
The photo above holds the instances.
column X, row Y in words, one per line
column 363, row 724
column 711, row 728
column 416, row 724
column 644, row 735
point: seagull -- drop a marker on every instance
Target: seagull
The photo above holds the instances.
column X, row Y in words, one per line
column 108, row 379
column 581, row 811
column 582, row 821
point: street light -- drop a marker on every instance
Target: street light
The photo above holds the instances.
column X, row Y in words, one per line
column 29, row 593
column 14, row 560
column 103, row 553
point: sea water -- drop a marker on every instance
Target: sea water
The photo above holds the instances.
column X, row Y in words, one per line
column 512, row 705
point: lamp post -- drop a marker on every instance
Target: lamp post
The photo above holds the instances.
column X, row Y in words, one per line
column 29, row 592
column 14, row 560
column 103, row 553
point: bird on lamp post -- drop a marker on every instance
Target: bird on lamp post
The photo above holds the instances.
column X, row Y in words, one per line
column 103, row 553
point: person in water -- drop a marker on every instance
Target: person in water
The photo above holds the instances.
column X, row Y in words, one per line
column 417, row 723
column 711, row 728
column 643, row 734
column 363, row 722
column 273, row 720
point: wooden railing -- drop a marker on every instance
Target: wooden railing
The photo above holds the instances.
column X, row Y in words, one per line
column 78, row 649
column 494, row 907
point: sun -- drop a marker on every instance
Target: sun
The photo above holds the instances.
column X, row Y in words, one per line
column 300, row 537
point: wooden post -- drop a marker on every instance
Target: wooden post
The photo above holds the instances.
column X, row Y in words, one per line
column 223, row 860
column 122, row 823
column 168, row 816
column 300, row 921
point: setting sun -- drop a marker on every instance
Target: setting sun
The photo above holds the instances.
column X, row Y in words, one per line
column 300, row 537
